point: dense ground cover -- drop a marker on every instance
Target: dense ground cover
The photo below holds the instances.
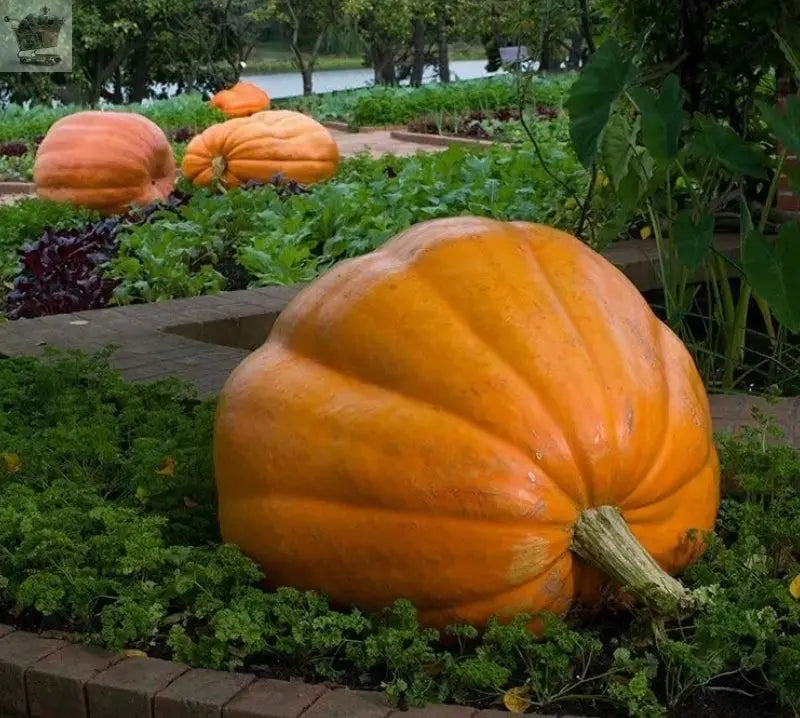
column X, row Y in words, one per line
column 207, row 242
column 108, row 532
column 399, row 105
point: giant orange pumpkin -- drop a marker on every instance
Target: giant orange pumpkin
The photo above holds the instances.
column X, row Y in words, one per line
column 482, row 417
column 104, row 160
column 241, row 100
column 279, row 142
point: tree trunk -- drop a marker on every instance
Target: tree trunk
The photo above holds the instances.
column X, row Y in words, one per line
column 444, row 51
column 547, row 58
column 418, row 66
column 140, row 82
column 118, row 96
column 575, row 51
column 383, row 63
column 586, row 29
column 694, row 22
column 308, row 79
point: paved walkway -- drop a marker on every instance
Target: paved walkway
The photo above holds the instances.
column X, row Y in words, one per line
column 377, row 143
column 199, row 340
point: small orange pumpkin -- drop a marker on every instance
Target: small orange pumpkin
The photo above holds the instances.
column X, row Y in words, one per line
column 259, row 148
column 104, row 160
column 483, row 417
column 241, row 100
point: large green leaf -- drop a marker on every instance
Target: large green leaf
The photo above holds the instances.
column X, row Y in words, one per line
column 789, row 42
column 721, row 143
column 662, row 117
column 772, row 267
column 692, row 237
column 601, row 83
column 634, row 184
column 617, row 147
column 786, row 126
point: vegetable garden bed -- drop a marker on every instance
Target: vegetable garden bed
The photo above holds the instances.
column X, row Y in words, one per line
column 106, row 491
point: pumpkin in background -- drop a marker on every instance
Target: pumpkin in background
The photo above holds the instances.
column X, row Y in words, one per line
column 241, row 100
column 279, row 142
column 481, row 417
column 104, row 160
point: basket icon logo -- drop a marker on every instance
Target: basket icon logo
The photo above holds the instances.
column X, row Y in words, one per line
column 38, row 36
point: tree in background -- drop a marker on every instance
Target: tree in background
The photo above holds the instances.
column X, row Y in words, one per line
column 554, row 31
column 122, row 47
column 403, row 37
column 308, row 22
column 720, row 49
column 386, row 27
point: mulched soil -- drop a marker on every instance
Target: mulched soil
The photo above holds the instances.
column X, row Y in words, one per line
column 470, row 124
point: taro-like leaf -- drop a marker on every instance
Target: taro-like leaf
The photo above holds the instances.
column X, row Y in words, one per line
column 662, row 117
column 601, row 83
column 772, row 267
column 692, row 237
column 719, row 142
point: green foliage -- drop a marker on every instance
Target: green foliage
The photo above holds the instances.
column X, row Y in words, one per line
column 25, row 220
column 676, row 177
column 721, row 50
column 17, row 169
column 591, row 98
column 103, row 537
column 772, row 265
column 20, row 124
column 399, row 105
column 290, row 240
column 662, row 118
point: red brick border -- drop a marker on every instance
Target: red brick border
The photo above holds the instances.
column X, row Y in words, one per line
column 424, row 138
column 344, row 127
column 788, row 201
column 48, row 678
column 17, row 188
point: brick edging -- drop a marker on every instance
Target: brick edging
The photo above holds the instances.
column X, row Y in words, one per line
column 17, row 188
column 424, row 138
column 355, row 129
column 50, row 678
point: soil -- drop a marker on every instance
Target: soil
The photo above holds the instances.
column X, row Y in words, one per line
column 470, row 124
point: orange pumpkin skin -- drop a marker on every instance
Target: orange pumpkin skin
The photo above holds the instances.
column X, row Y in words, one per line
column 241, row 100
column 105, row 161
column 429, row 420
column 261, row 147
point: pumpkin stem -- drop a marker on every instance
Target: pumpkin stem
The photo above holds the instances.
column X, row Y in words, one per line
column 218, row 167
column 602, row 538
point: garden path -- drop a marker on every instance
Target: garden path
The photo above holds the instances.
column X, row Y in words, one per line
column 377, row 142
column 201, row 340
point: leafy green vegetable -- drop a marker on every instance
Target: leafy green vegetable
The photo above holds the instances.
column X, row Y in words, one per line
column 98, row 539
column 290, row 240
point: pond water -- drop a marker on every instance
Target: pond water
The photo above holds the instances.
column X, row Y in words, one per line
column 290, row 84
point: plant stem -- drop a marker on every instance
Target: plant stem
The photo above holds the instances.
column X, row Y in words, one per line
column 662, row 268
column 736, row 342
column 602, row 539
